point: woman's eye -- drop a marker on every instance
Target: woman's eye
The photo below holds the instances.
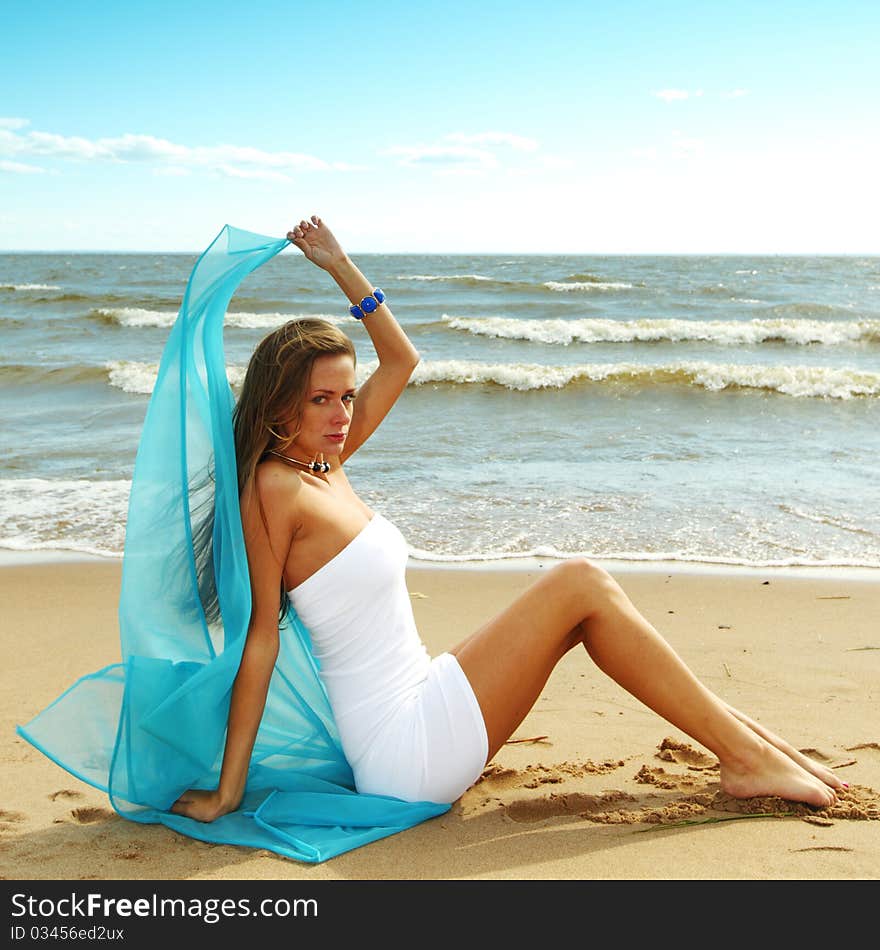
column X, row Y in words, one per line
column 350, row 397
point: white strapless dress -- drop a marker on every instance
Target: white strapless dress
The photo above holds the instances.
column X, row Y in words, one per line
column 410, row 725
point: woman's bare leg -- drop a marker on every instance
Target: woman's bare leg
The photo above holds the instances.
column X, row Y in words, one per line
column 509, row 660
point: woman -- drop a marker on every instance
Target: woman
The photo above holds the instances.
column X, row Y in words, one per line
column 412, row 727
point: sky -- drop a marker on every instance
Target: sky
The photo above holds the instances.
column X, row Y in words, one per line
column 480, row 127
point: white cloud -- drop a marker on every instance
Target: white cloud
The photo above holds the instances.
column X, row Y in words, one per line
column 460, row 153
column 265, row 174
column 734, row 94
column 518, row 142
column 232, row 160
column 443, row 157
column 8, row 122
column 678, row 146
column 18, row 168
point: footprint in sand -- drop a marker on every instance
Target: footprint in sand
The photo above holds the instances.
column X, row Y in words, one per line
column 88, row 814
column 662, row 779
column 130, row 854
column 497, row 776
column 9, row 819
column 532, row 776
column 610, row 808
column 572, row 804
column 65, row 793
column 497, row 779
column 682, row 754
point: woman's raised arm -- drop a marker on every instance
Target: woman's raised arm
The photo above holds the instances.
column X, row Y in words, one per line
column 397, row 356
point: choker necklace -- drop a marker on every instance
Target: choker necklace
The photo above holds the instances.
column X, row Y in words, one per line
column 315, row 466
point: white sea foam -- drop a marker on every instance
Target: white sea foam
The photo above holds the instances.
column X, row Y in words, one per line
column 132, row 376
column 567, row 287
column 818, row 517
column 724, row 332
column 38, row 514
column 29, row 287
column 798, row 381
column 431, row 277
column 136, row 317
column 268, row 321
column 696, row 561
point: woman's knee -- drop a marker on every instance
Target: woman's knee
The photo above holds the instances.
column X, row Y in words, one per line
column 590, row 585
column 583, row 573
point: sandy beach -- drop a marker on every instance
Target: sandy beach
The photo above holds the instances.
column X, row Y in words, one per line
column 594, row 786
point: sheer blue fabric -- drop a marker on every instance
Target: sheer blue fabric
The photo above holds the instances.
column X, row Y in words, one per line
column 147, row 729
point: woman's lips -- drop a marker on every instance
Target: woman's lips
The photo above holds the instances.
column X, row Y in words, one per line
column 336, row 438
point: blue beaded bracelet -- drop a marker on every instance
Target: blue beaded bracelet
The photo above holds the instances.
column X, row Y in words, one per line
column 367, row 305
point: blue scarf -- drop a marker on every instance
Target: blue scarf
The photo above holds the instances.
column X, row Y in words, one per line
column 147, row 729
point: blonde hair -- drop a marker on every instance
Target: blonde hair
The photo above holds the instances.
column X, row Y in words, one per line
column 272, row 396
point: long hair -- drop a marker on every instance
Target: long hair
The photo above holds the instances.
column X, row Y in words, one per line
column 272, row 396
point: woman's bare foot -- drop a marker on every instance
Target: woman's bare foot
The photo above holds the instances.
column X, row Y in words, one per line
column 765, row 770
column 805, row 762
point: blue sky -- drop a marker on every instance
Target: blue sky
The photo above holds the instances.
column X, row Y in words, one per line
column 575, row 127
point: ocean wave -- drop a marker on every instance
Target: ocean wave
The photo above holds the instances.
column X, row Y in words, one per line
column 588, row 283
column 548, row 552
column 473, row 280
column 817, row 517
column 725, row 332
column 797, row 381
column 138, row 378
column 712, row 290
column 87, row 517
column 132, row 377
column 54, row 375
column 585, row 285
column 46, row 293
column 821, row 310
column 136, row 317
column 586, row 278
column 28, row 287
column 466, row 278
column 133, row 317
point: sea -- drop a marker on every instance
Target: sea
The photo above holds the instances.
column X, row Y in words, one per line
column 639, row 410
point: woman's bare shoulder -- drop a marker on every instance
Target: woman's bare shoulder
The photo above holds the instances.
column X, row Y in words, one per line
column 278, row 488
column 276, row 477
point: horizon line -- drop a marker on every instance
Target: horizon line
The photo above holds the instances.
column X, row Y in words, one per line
column 459, row 253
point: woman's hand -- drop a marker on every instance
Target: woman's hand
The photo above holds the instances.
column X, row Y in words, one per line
column 316, row 241
column 201, row 804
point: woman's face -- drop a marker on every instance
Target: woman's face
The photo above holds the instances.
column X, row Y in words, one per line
column 327, row 409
